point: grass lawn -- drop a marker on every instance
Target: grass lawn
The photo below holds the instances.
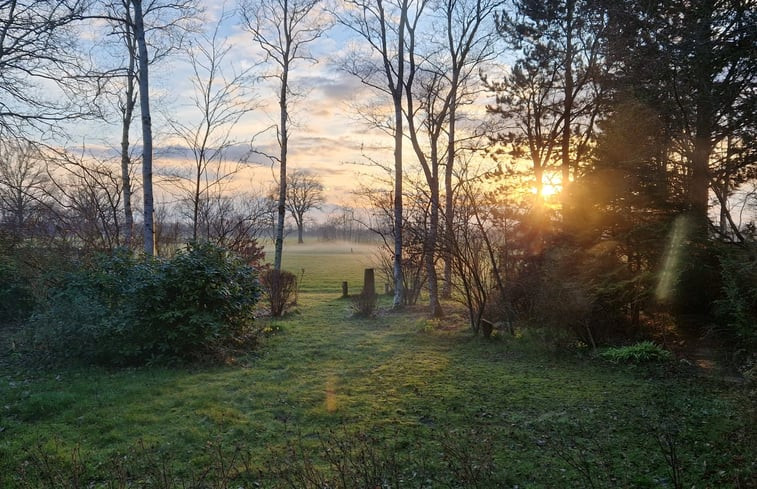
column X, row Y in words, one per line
column 396, row 393
column 323, row 266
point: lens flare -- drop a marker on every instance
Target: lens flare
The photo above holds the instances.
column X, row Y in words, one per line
column 671, row 265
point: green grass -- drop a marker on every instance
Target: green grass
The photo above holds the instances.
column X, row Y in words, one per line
column 428, row 390
column 323, row 266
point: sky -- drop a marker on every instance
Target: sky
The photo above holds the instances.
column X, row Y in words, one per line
column 327, row 137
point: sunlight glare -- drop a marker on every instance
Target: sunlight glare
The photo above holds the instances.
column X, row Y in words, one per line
column 547, row 190
column 672, row 260
column 331, row 403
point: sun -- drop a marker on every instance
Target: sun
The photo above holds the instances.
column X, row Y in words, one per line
column 547, row 190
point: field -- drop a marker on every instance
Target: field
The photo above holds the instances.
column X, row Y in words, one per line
column 413, row 402
column 323, row 266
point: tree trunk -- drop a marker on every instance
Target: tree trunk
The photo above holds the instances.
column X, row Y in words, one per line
column 700, row 178
column 196, row 203
column 144, row 100
column 128, row 115
column 299, row 232
column 435, row 307
column 399, row 288
column 723, row 223
column 449, row 198
column 567, row 102
column 283, row 140
column 700, row 160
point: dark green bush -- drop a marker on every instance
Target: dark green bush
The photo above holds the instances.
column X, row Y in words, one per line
column 584, row 295
column 736, row 308
column 16, row 298
column 126, row 310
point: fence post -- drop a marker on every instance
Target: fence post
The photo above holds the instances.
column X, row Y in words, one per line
column 369, row 283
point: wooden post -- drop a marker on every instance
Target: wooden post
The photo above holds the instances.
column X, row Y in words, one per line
column 345, row 293
column 369, row 283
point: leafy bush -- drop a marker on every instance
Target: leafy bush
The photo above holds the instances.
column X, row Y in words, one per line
column 644, row 352
column 202, row 299
column 736, row 309
column 585, row 295
column 280, row 287
column 124, row 310
column 16, row 298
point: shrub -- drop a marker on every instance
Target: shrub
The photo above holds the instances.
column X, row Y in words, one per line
column 81, row 315
column 280, row 287
column 364, row 304
column 644, row 352
column 123, row 310
column 16, row 298
column 586, row 294
column 736, row 309
column 199, row 301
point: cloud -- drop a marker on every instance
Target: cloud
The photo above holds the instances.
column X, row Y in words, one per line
column 326, row 130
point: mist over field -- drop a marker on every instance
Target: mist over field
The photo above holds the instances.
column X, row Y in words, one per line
column 313, row 247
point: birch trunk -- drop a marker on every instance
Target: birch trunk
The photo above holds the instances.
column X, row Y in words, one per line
column 144, row 102
column 128, row 115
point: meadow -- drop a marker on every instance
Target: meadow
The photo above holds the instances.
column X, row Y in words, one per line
column 330, row 400
column 323, row 266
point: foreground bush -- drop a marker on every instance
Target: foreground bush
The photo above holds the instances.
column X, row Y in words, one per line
column 736, row 308
column 16, row 297
column 126, row 310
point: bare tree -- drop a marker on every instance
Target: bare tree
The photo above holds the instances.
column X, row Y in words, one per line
column 304, row 193
column 379, row 203
column 344, row 223
column 127, row 103
column 87, row 200
column 165, row 27
column 38, row 48
column 24, row 186
column 220, row 101
column 237, row 221
column 470, row 44
column 144, row 105
column 439, row 75
column 159, row 25
column 122, row 26
column 384, row 26
column 283, row 29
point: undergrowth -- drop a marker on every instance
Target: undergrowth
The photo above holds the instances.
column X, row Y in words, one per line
column 643, row 352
